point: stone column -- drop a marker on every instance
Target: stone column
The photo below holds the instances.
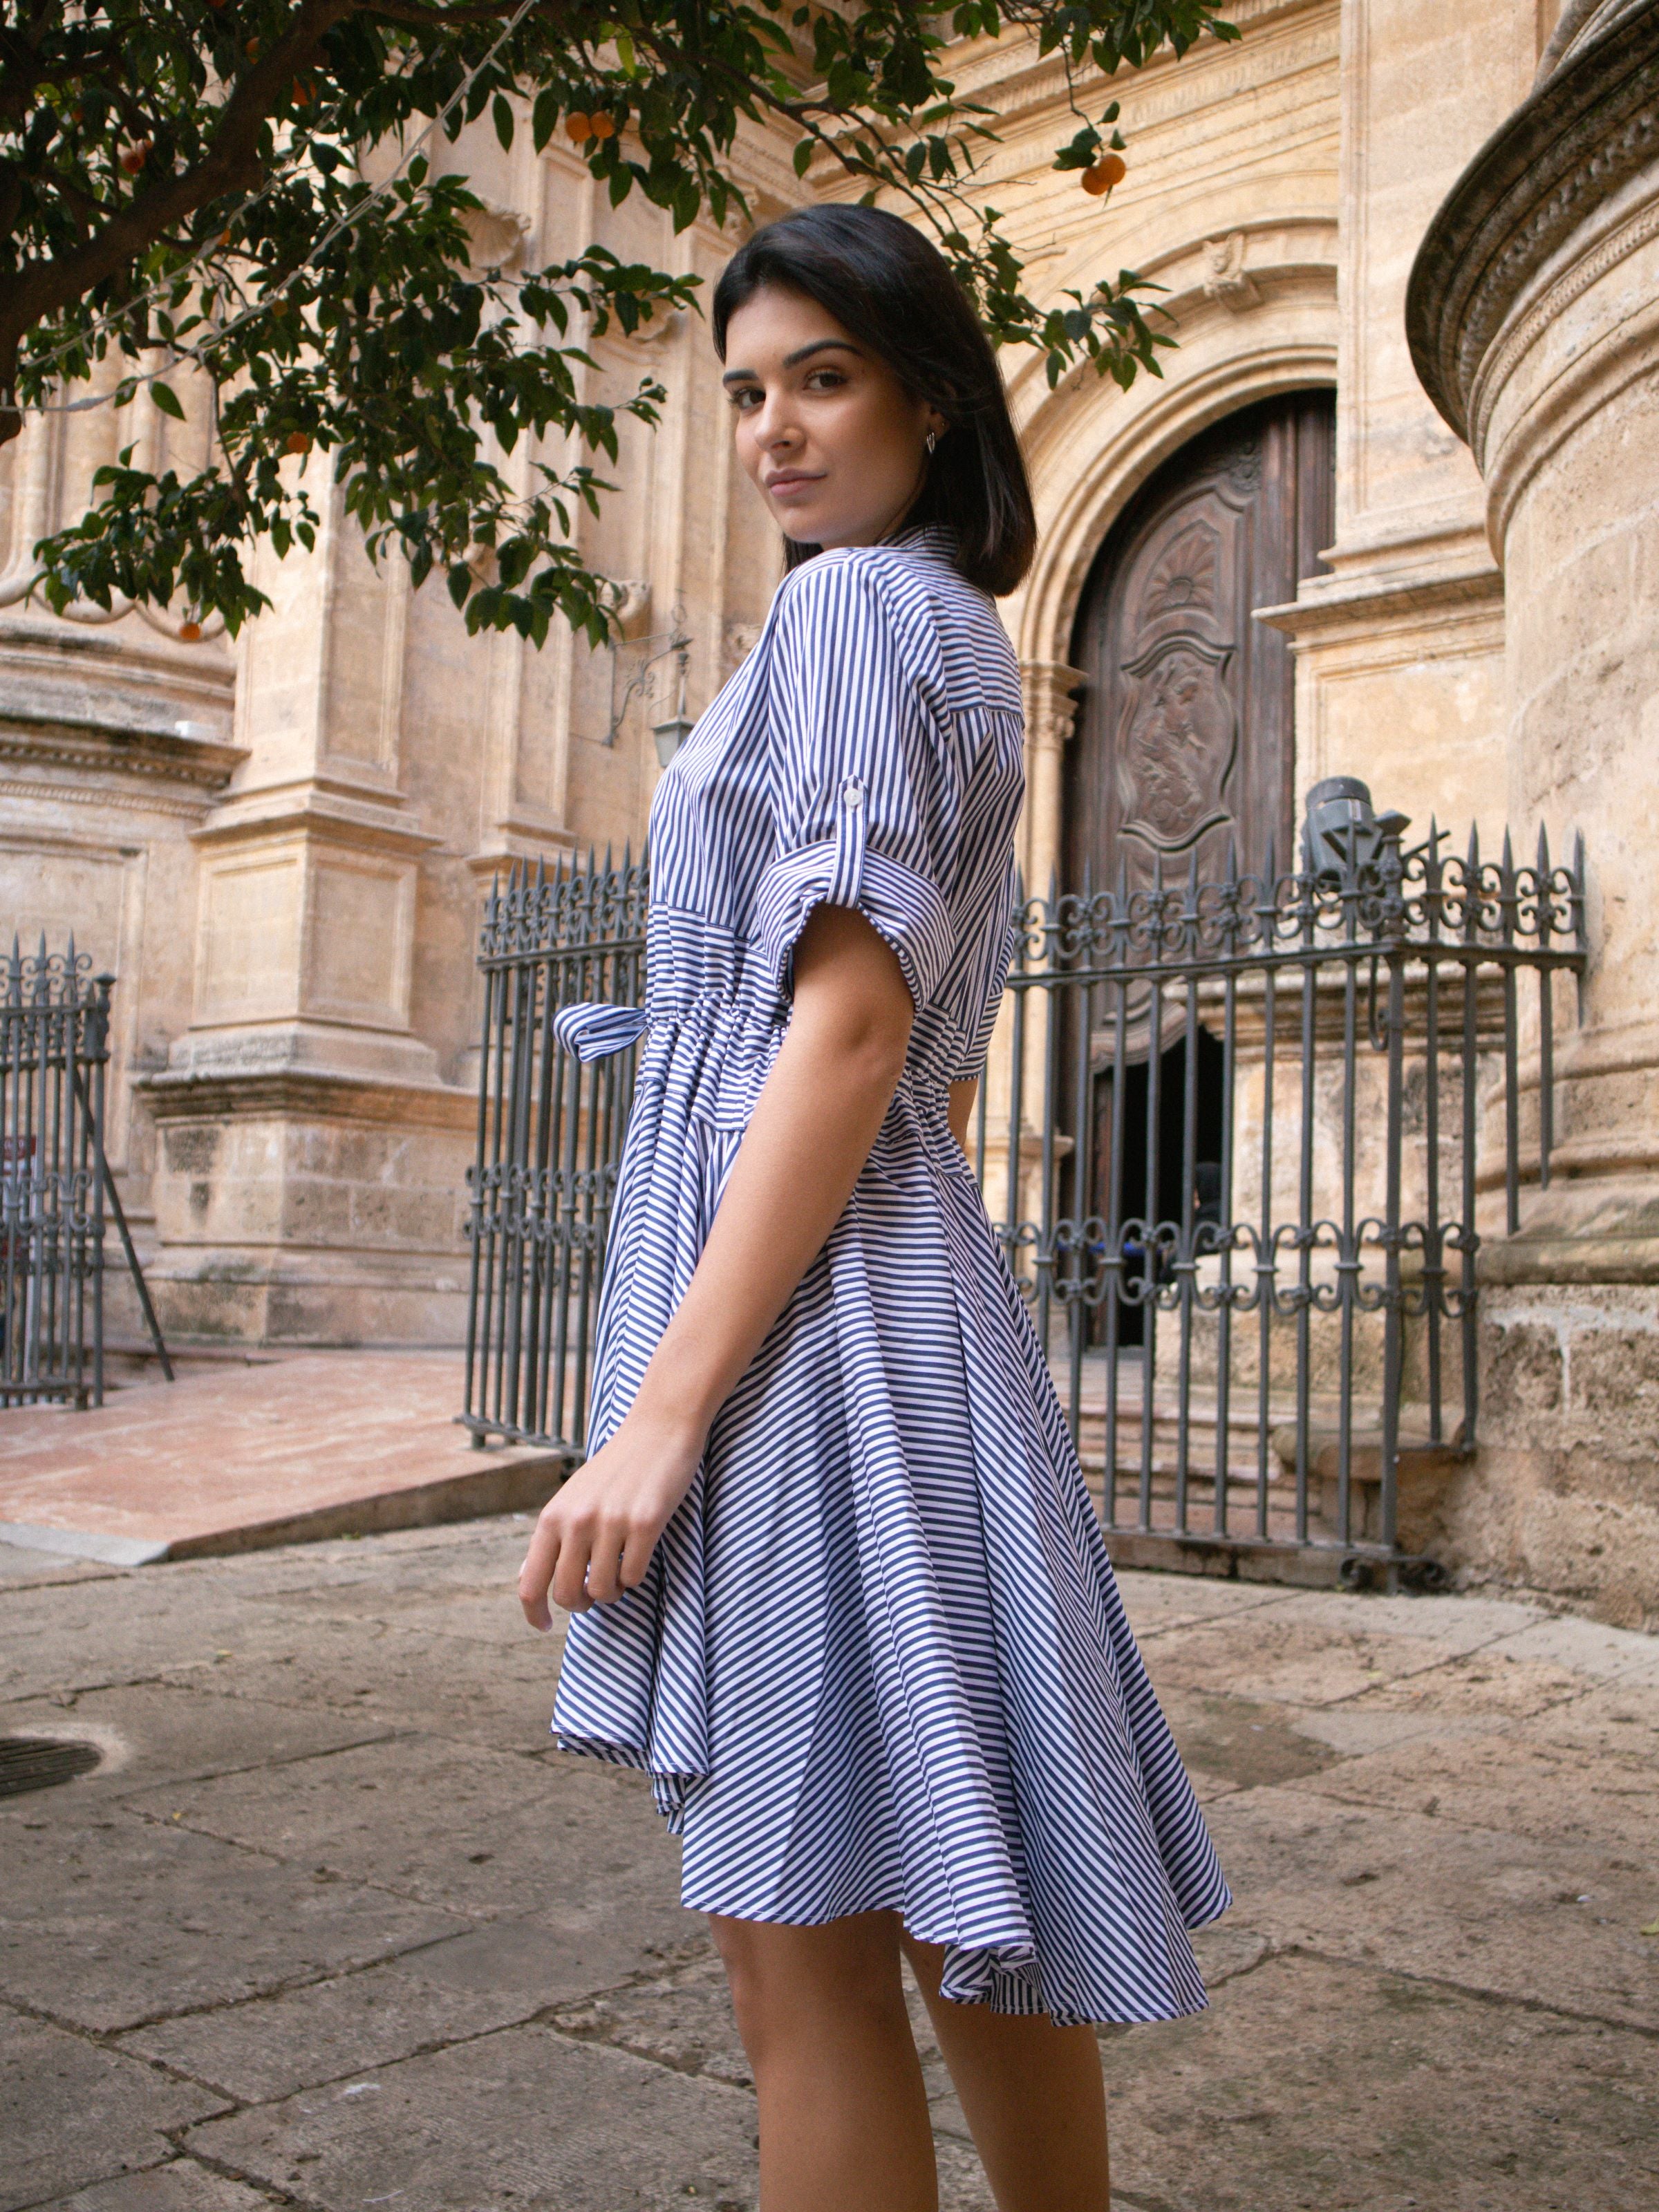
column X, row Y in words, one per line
column 1399, row 647
column 1050, row 688
column 1533, row 319
column 311, row 1158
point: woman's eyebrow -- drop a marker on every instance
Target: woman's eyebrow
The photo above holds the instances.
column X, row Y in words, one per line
column 792, row 359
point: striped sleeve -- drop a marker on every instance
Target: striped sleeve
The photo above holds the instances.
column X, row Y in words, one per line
column 867, row 777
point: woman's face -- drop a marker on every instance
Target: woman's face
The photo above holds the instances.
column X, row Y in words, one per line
column 835, row 444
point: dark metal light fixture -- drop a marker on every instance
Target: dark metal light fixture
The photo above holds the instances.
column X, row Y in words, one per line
column 1342, row 834
column 673, row 734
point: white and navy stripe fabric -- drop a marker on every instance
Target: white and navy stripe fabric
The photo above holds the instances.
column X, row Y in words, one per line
column 879, row 1660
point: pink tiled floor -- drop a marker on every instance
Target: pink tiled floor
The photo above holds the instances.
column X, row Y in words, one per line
column 317, row 1444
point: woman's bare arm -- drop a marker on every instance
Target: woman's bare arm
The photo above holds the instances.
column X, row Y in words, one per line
column 817, row 1118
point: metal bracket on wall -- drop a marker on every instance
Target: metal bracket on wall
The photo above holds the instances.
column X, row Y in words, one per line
column 638, row 683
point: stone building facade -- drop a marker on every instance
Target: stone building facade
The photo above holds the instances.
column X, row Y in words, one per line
column 281, row 849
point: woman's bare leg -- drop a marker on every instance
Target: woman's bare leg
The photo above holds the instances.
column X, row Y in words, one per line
column 1032, row 2095
column 844, row 2113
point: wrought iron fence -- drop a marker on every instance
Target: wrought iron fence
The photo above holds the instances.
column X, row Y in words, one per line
column 1251, row 1134
column 1240, row 1139
column 550, row 1140
column 54, row 1049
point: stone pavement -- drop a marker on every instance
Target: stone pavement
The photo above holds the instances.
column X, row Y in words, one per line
column 332, row 1925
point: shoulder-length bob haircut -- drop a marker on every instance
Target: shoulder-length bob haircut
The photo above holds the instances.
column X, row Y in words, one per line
column 894, row 292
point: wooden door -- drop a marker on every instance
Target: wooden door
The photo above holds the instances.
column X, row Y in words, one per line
column 1185, row 736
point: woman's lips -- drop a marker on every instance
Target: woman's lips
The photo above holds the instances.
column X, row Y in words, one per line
column 785, row 486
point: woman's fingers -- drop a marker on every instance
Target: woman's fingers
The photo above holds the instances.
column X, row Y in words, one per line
column 605, row 1583
column 537, row 1573
column 570, row 1570
column 636, row 1554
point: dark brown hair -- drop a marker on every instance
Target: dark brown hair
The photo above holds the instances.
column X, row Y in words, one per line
column 893, row 291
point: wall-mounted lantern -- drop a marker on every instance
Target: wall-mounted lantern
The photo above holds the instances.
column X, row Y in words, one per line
column 673, row 734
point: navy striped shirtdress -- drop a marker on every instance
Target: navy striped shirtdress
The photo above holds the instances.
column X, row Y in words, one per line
column 879, row 1660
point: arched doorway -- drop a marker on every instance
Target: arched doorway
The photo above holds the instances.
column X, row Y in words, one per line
column 1184, row 746
column 1185, row 735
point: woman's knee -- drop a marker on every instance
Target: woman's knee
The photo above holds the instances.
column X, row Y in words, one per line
column 783, row 1977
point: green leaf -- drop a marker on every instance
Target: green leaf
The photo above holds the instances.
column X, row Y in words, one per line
column 501, row 114
column 167, row 400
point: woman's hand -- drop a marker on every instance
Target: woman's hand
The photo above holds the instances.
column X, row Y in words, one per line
column 595, row 1536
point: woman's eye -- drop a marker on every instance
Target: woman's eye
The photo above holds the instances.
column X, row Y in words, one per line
column 742, row 397
column 825, row 379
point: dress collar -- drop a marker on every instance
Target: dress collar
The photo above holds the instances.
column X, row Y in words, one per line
column 933, row 537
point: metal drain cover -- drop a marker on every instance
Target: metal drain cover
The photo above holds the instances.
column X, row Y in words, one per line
column 41, row 1762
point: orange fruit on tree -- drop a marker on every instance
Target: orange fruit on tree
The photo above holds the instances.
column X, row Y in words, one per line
column 602, row 125
column 132, row 158
column 297, row 442
column 578, row 126
column 1110, row 169
column 189, row 633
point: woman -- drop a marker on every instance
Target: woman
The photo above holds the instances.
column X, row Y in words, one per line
column 837, row 1583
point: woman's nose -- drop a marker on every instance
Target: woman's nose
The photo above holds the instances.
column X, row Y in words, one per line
column 776, row 426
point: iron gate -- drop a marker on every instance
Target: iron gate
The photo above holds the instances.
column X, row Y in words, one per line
column 549, row 1140
column 54, row 1048
column 1240, row 1140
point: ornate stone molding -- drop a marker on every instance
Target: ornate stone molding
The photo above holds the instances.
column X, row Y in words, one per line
column 196, row 763
column 1051, row 705
column 308, row 1094
column 1591, row 123
column 1228, row 282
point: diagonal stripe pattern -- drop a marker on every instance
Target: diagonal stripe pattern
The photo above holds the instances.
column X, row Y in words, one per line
column 879, row 1660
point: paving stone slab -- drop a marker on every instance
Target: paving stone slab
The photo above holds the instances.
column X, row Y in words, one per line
column 495, row 1976
column 126, row 1920
column 72, row 2112
column 572, row 1843
column 467, row 1691
column 1156, row 1603
column 1489, row 1911
column 180, row 2186
column 486, row 1611
column 108, row 1629
column 526, row 2118
column 1595, row 1788
column 437, row 1550
column 1241, row 1743
column 149, row 1734
column 1454, row 1623
column 1493, row 1685
column 25, row 1566
column 1344, row 2089
column 1589, row 1648
column 1280, row 1654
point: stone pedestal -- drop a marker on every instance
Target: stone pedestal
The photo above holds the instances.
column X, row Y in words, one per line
column 1534, row 320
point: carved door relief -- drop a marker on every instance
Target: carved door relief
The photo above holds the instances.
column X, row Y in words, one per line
column 1185, row 737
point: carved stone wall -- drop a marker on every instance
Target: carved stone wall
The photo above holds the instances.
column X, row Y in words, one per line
column 1534, row 320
